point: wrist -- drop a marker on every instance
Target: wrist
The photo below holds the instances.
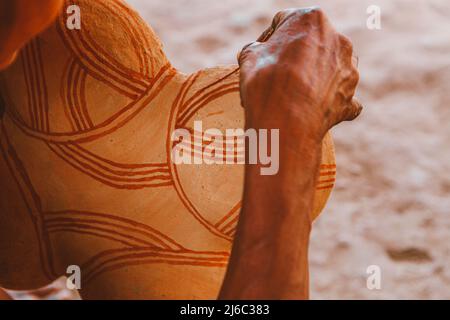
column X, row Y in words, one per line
column 300, row 121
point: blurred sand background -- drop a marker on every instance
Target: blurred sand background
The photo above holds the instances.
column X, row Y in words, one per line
column 391, row 204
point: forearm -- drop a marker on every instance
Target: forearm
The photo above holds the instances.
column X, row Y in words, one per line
column 269, row 259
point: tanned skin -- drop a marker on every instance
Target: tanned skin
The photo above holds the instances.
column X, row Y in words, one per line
column 20, row 21
column 299, row 77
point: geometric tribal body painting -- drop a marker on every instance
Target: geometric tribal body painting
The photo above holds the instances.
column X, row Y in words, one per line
column 85, row 168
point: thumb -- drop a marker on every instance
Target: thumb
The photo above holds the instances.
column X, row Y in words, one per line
column 248, row 57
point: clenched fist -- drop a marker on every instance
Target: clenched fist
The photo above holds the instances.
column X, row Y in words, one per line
column 301, row 72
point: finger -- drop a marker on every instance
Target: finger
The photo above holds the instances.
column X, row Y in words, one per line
column 277, row 20
column 346, row 45
column 346, row 49
column 246, row 52
column 238, row 56
column 350, row 84
column 353, row 110
column 266, row 34
column 280, row 18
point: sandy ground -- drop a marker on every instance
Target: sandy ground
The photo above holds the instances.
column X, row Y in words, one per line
column 391, row 205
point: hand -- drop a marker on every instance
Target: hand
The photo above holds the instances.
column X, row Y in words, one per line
column 300, row 75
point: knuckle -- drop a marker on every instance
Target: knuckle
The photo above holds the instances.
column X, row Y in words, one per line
column 351, row 73
column 300, row 14
column 354, row 111
column 244, row 55
column 249, row 48
column 345, row 42
column 316, row 11
column 280, row 16
column 313, row 13
column 355, row 75
column 309, row 11
column 312, row 17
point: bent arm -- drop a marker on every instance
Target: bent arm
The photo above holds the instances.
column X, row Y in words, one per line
column 298, row 78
